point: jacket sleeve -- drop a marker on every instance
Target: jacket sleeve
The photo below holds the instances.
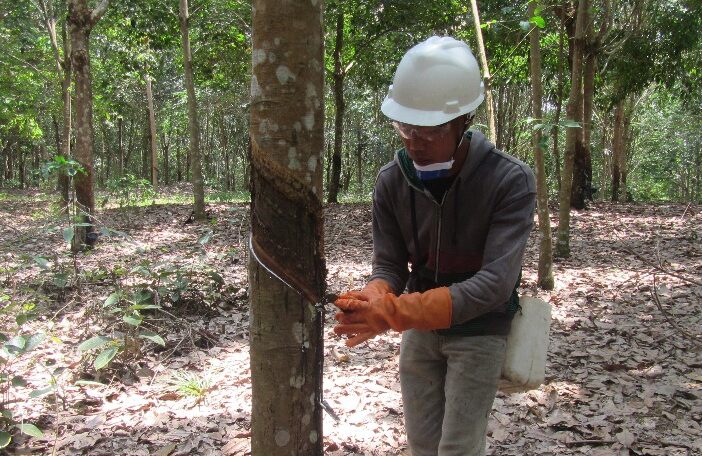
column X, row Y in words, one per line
column 390, row 254
column 510, row 225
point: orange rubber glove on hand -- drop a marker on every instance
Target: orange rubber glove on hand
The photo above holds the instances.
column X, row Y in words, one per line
column 364, row 320
column 373, row 289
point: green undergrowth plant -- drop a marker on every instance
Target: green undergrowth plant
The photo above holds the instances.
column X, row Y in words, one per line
column 17, row 344
column 144, row 295
column 130, row 190
column 190, row 384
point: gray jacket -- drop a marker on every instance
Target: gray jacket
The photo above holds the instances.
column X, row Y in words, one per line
column 472, row 241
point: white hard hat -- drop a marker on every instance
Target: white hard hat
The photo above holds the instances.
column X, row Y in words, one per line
column 436, row 81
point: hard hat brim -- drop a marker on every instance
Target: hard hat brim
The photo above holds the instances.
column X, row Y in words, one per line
column 400, row 113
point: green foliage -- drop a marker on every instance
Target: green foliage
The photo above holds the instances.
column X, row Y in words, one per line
column 17, row 344
column 190, row 384
column 60, row 165
column 143, row 292
column 129, row 190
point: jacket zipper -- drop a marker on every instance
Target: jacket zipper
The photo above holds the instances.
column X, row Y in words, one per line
column 440, row 211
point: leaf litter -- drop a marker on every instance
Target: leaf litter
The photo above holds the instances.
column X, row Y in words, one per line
column 622, row 379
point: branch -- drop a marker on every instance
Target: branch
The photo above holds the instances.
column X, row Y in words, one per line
column 660, row 268
column 657, row 300
column 98, row 12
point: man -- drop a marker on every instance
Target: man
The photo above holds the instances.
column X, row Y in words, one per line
column 459, row 211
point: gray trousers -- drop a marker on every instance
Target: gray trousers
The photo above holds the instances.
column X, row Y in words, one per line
column 448, row 387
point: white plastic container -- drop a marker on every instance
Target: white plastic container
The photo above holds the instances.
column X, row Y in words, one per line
column 525, row 364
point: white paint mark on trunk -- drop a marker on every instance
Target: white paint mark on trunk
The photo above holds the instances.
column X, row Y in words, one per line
column 255, row 88
column 282, row 437
column 312, row 163
column 308, row 120
column 258, row 56
column 284, row 74
column 293, row 161
column 313, row 436
column 298, row 332
column 297, row 381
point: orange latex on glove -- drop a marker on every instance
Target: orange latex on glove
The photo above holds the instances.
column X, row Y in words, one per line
column 363, row 320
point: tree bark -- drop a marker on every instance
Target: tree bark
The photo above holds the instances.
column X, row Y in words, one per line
column 335, row 177
column 574, row 112
column 120, row 146
column 153, row 136
column 545, row 273
column 617, row 149
column 487, row 79
column 63, row 71
column 81, row 20
column 193, row 124
column 559, row 106
column 287, row 143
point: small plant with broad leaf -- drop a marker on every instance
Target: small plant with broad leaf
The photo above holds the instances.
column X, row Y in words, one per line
column 16, row 344
column 143, row 291
column 125, row 339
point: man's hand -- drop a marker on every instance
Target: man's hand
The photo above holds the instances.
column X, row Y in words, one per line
column 364, row 320
column 373, row 289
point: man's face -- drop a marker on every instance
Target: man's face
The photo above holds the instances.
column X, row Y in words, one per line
column 427, row 145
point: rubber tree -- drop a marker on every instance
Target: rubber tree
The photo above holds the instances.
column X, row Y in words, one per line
column 286, row 267
column 193, row 122
column 487, row 79
column 574, row 113
column 81, row 20
column 63, row 71
column 545, row 273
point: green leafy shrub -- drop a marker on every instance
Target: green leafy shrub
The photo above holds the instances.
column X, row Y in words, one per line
column 17, row 344
column 130, row 190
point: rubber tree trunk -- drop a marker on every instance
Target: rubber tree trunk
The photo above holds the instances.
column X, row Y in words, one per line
column 582, row 171
column 193, row 123
column 286, row 267
column 545, row 274
column 63, row 71
column 81, row 20
column 574, row 113
column 487, row 79
column 559, row 105
column 153, row 136
column 617, row 149
column 339, row 102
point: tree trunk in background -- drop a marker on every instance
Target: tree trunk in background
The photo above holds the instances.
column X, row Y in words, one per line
column 64, row 73
column 335, row 177
column 489, row 104
column 193, row 125
column 617, row 149
column 130, row 144
column 106, row 155
column 360, row 146
column 624, row 194
column 120, row 147
column 81, row 20
column 545, row 274
column 286, row 268
column 166, row 145
column 559, row 105
column 574, row 112
column 582, row 173
column 584, row 161
column 153, row 136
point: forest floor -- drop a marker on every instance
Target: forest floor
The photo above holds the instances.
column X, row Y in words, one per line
column 624, row 374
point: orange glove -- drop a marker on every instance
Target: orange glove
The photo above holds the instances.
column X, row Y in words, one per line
column 366, row 319
column 373, row 289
